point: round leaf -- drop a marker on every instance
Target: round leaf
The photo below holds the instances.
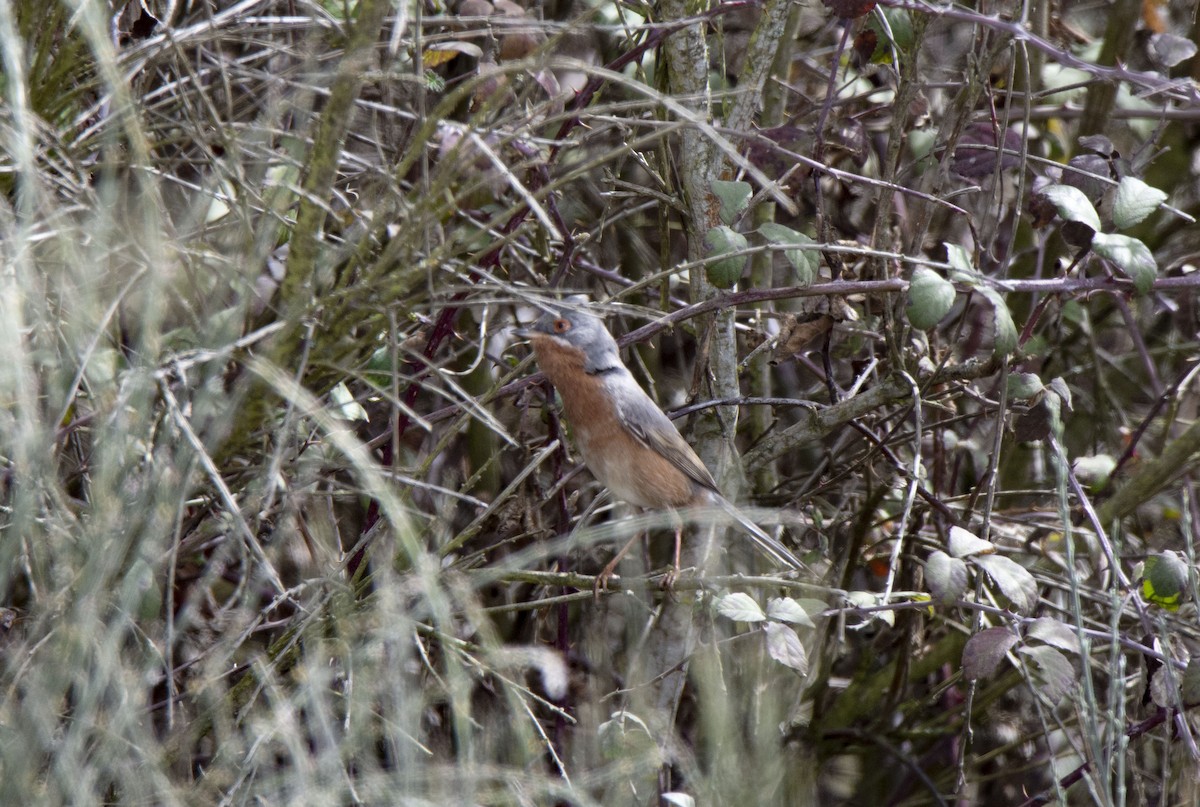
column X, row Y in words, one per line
column 734, row 198
column 945, row 576
column 985, row 650
column 1171, row 49
column 1053, row 632
column 869, row 599
column 1134, row 202
column 1162, row 693
column 1129, row 255
column 1014, row 580
column 1095, row 469
column 1024, row 385
column 1005, row 336
column 1099, row 144
column 812, row 606
column 723, row 272
column 785, row 609
column 930, row 297
column 1052, row 671
column 1072, row 205
column 1164, row 580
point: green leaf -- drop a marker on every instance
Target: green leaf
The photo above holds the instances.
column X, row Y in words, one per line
column 379, row 367
column 1059, row 387
column 1072, row 205
column 964, row 543
column 724, row 272
column 1054, row 632
column 785, row 609
column 1024, row 385
column 1005, row 329
column 1164, row 580
column 434, row 82
column 1129, row 255
column 960, row 263
column 1053, row 672
column 785, row 646
column 901, row 25
column 805, row 261
column 930, row 298
column 1014, row 580
column 945, row 576
column 734, row 198
column 344, row 406
column 812, row 606
column 1094, row 470
column 895, row 28
column 1134, row 202
column 740, row 607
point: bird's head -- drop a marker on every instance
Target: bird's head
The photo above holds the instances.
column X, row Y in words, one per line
column 571, row 325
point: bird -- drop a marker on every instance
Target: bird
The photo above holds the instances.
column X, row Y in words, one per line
column 626, row 441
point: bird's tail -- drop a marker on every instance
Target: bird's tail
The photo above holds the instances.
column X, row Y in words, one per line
column 765, row 543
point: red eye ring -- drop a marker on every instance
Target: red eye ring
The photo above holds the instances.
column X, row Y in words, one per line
column 561, row 325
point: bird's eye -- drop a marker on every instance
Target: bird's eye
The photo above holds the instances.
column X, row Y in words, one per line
column 562, row 325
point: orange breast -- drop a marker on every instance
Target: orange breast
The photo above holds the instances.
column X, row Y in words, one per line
column 626, row 466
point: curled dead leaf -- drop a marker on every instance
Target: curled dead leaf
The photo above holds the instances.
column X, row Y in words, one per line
column 797, row 332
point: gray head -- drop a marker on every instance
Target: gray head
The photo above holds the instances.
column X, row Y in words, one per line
column 572, row 324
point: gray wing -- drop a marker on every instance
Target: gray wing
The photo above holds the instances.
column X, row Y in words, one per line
column 646, row 422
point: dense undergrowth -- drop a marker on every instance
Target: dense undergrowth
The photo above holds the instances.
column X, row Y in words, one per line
column 286, row 515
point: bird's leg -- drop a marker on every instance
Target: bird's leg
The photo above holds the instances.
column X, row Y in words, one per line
column 673, row 572
column 601, row 582
column 676, row 564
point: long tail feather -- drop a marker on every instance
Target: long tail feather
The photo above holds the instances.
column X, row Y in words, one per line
column 766, row 544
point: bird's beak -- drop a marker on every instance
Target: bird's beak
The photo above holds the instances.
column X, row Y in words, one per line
column 522, row 332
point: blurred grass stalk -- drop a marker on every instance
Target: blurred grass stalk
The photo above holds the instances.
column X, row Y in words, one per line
column 106, row 427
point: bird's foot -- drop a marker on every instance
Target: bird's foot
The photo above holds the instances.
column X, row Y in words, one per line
column 610, row 571
column 606, row 574
column 669, row 578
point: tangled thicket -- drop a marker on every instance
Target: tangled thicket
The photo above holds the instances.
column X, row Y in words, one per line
column 287, row 515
